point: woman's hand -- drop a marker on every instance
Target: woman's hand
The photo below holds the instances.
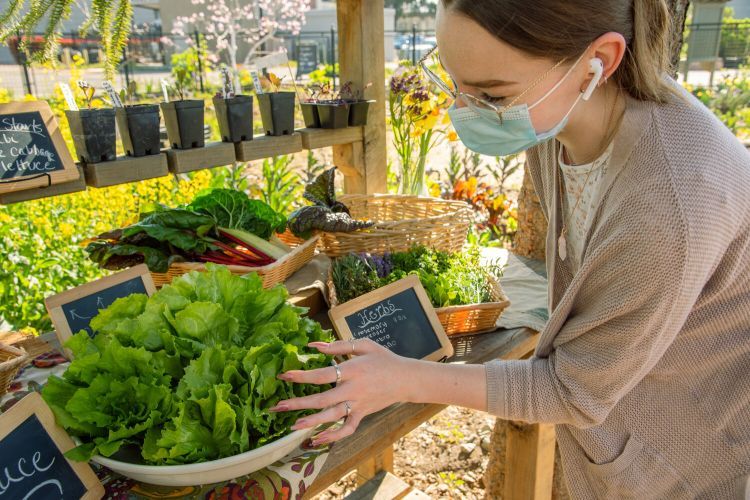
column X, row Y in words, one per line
column 373, row 379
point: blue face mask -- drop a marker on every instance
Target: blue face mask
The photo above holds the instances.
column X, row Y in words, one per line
column 482, row 130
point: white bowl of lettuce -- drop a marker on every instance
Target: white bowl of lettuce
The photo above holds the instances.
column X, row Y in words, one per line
column 174, row 389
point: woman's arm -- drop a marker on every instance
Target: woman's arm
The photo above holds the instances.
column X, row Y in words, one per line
column 377, row 378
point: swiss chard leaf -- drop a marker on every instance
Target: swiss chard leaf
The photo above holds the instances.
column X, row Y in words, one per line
column 235, row 210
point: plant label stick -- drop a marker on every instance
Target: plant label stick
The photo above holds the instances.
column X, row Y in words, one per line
column 68, row 95
column 256, row 82
column 116, row 102
column 164, row 89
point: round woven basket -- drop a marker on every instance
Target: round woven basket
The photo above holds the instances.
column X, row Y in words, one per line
column 272, row 274
column 401, row 222
column 11, row 360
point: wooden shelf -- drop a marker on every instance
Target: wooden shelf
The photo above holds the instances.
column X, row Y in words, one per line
column 73, row 186
column 315, row 138
column 215, row 154
column 265, row 146
column 125, row 169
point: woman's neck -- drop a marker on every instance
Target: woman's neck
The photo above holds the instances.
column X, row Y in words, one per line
column 592, row 125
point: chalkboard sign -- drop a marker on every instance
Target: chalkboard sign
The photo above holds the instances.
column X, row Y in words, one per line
column 32, row 150
column 398, row 316
column 307, row 58
column 73, row 310
column 32, row 464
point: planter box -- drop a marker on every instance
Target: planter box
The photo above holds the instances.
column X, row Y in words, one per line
column 333, row 115
column 94, row 135
column 235, row 117
column 310, row 114
column 184, row 122
column 277, row 112
column 139, row 129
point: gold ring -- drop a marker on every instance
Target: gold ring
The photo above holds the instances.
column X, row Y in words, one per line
column 352, row 341
column 338, row 371
column 348, row 409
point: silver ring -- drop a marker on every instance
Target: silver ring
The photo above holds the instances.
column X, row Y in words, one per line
column 352, row 341
column 338, row 371
column 348, row 409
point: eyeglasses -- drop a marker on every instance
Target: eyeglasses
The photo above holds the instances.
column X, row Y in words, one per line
column 447, row 84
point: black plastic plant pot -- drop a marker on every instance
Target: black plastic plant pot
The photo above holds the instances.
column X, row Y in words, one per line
column 277, row 112
column 358, row 113
column 235, row 116
column 334, row 115
column 139, row 129
column 94, row 135
column 184, row 122
column 310, row 114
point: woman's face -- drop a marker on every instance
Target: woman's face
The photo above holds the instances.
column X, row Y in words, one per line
column 486, row 67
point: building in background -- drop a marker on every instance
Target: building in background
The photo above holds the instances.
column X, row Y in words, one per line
column 741, row 8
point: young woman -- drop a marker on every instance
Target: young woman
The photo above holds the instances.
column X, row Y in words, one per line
column 644, row 364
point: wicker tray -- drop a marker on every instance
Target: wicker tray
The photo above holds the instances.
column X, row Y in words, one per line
column 33, row 345
column 459, row 320
column 401, row 222
column 272, row 274
column 11, row 360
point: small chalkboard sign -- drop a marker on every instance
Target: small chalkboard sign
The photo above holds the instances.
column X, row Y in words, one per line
column 32, row 464
column 32, row 150
column 307, row 58
column 398, row 316
column 72, row 310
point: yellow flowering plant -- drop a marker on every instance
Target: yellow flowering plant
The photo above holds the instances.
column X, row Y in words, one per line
column 418, row 119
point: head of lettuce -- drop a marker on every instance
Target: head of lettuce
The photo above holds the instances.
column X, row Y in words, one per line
column 188, row 374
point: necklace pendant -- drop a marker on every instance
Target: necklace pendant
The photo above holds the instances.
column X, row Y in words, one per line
column 562, row 247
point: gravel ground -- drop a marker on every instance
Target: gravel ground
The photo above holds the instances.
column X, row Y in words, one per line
column 444, row 457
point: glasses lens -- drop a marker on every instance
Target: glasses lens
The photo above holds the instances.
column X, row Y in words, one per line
column 476, row 104
column 436, row 73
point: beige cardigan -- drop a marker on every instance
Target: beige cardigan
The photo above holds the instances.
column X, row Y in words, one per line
column 644, row 364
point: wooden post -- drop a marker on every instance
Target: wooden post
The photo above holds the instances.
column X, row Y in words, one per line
column 371, row 467
column 529, row 461
column 361, row 30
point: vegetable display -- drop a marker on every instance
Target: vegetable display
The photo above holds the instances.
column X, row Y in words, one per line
column 188, row 374
column 449, row 279
column 326, row 213
column 222, row 226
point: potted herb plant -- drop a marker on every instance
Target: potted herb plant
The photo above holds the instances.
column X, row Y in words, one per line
column 359, row 107
column 138, row 124
column 234, row 112
column 276, row 107
column 332, row 109
column 310, row 106
column 93, row 129
column 184, row 118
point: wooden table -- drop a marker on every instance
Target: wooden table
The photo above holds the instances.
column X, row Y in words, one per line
column 370, row 448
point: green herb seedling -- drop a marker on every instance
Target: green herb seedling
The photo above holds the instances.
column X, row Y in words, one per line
column 88, row 91
column 129, row 94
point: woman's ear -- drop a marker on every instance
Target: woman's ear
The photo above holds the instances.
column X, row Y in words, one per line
column 609, row 49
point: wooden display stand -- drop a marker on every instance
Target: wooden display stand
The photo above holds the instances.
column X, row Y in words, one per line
column 316, row 138
column 125, row 169
column 265, row 146
column 73, row 186
column 216, row 154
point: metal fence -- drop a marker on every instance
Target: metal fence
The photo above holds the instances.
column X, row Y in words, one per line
column 148, row 55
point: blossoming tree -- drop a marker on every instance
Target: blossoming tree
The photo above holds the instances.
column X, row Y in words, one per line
column 228, row 23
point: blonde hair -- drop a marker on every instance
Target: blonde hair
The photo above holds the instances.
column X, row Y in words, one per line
column 564, row 29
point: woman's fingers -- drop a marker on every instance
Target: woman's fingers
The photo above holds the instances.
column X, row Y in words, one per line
column 331, row 414
column 355, row 347
column 331, row 435
column 314, row 402
column 320, row 376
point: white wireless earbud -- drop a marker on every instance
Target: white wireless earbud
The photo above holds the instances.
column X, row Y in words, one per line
column 597, row 67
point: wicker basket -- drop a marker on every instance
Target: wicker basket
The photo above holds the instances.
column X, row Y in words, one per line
column 401, row 222
column 33, row 345
column 11, row 360
column 459, row 320
column 272, row 274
